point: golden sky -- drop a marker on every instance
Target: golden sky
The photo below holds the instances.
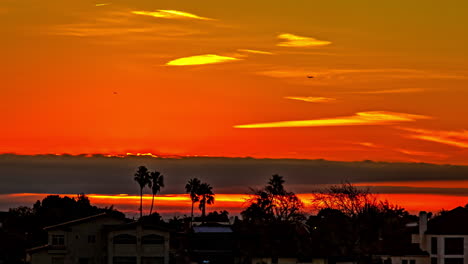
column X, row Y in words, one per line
column 339, row 80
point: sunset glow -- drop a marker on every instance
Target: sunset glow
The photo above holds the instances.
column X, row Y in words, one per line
column 207, row 70
column 180, row 204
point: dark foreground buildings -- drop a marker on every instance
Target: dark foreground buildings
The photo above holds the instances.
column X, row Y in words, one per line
column 108, row 239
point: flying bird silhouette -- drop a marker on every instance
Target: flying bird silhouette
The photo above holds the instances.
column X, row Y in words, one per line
column 310, row 76
column 114, row 92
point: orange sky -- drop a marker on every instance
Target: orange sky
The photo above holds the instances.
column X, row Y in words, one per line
column 215, row 78
column 336, row 80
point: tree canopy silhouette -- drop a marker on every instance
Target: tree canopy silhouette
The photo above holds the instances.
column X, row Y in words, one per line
column 142, row 177
column 192, row 187
column 156, row 183
column 274, row 203
column 206, row 196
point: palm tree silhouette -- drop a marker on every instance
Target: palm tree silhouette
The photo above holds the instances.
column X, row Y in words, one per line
column 206, row 196
column 192, row 187
column 142, row 178
column 156, row 183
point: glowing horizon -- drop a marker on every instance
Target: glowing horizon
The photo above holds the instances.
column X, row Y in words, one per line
column 176, row 204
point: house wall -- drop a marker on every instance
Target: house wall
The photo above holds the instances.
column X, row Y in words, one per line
column 41, row 257
column 416, row 259
column 440, row 256
column 76, row 243
column 139, row 250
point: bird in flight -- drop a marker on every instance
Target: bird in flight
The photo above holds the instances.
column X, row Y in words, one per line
column 114, row 92
column 310, row 76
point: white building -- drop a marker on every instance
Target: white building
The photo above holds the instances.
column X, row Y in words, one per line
column 103, row 238
column 444, row 237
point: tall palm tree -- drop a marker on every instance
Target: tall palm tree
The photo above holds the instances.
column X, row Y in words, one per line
column 142, row 178
column 206, row 196
column 192, row 187
column 156, row 183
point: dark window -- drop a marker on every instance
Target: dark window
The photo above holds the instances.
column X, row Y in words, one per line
column 152, row 260
column 152, row 239
column 433, row 260
column 404, row 261
column 83, row 260
column 124, row 260
column 453, row 260
column 58, row 240
column 91, row 239
column 124, row 239
column 433, row 245
column 454, row 246
column 412, row 261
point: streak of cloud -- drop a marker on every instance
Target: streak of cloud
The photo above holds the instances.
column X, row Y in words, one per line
column 118, row 23
column 311, row 99
column 361, row 75
column 392, row 91
column 200, row 60
column 256, row 51
column 361, row 118
column 170, row 14
column 103, row 4
column 291, row 40
column 453, row 138
column 367, row 144
column 420, row 153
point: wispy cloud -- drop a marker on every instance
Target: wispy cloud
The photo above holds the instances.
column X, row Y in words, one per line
column 170, row 14
column 123, row 23
column 201, row 59
column 291, row 40
column 392, row 91
column 256, row 51
column 452, row 138
column 367, row 144
column 420, row 153
column 311, row 99
column 361, row 118
column 361, row 75
column 103, row 4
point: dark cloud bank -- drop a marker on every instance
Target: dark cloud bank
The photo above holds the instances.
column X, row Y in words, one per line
column 113, row 175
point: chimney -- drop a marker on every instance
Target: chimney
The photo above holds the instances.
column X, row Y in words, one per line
column 422, row 230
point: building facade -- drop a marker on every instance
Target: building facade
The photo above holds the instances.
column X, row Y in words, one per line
column 102, row 239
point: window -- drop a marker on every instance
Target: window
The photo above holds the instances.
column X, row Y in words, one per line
column 454, row 246
column 58, row 240
column 83, row 260
column 124, row 239
column 412, row 261
column 152, row 239
column 124, row 260
column 433, row 245
column 433, row 260
column 91, row 239
column 152, row 260
column 453, row 260
column 404, row 261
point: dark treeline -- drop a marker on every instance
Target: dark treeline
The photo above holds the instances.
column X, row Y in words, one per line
column 346, row 222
